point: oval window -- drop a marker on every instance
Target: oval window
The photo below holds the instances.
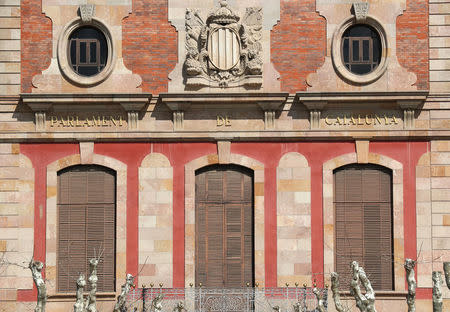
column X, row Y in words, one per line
column 88, row 51
column 361, row 49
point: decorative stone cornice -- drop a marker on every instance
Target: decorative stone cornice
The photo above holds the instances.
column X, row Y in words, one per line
column 268, row 102
column 320, row 100
column 86, row 98
column 273, row 100
column 40, row 104
column 408, row 101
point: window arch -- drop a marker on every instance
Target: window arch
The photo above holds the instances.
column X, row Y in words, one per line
column 364, row 223
column 86, row 212
column 224, row 226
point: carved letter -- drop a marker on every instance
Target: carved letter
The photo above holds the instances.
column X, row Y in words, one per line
column 378, row 119
column 70, row 121
column 220, row 121
column 53, row 121
column 227, row 121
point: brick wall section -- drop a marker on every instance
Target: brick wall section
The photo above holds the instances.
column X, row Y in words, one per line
column 36, row 41
column 439, row 46
column 10, row 47
column 150, row 44
column 412, row 40
column 298, row 43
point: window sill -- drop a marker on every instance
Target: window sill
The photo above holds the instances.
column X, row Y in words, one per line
column 71, row 296
column 382, row 294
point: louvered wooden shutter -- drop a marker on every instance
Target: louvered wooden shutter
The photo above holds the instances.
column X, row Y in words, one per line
column 363, row 223
column 224, row 227
column 86, row 225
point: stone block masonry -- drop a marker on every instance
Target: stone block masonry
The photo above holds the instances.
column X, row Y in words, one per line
column 16, row 221
column 10, row 47
column 439, row 46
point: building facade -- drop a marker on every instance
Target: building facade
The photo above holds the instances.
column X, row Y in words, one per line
column 262, row 142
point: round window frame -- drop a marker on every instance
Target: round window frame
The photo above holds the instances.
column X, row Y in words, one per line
column 209, row 52
column 336, row 52
column 63, row 53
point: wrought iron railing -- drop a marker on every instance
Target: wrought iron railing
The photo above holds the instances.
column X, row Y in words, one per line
column 246, row 299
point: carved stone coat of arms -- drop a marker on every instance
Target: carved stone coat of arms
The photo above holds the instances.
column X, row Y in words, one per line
column 225, row 51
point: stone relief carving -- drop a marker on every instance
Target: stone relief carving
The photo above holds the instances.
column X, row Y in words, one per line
column 361, row 10
column 224, row 51
column 87, row 12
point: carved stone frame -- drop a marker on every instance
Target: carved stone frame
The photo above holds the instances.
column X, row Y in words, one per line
column 63, row 51
column 336, row 53
column 52, row 213
column 397, row 206
column 189, row 251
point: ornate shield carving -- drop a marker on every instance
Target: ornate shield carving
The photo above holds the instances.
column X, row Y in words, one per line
column 224, row 51
column 224, row 48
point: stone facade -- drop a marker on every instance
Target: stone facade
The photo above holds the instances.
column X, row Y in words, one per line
column 142, row 120
column 10, row 48
column 156, row 220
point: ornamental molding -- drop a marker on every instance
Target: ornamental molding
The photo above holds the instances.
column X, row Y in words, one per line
column 226, row 50
column 87, row 12
column 42, row 104
column 361, row 9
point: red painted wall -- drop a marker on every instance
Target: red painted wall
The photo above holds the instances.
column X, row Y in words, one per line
column 179, row 154
column 41, row 155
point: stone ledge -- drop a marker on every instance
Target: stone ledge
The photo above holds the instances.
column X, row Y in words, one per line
column 180, row 101
column 319, row 100
column 86, row 98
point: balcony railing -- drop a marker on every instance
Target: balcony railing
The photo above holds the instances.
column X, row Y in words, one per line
column 246, row 299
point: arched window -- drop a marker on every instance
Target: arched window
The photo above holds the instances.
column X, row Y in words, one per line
column 224, row 226
column 86, row 225
column 363, row 226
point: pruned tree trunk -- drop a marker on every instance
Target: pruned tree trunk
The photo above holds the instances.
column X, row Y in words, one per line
column 447, row 273
column 320, row 302
column 437, row 292
column 411, row 280
column 336, row 293
column 36, row 271
column 365, row 303
column 122, row 298
column 93, row 279
column 79, row 305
